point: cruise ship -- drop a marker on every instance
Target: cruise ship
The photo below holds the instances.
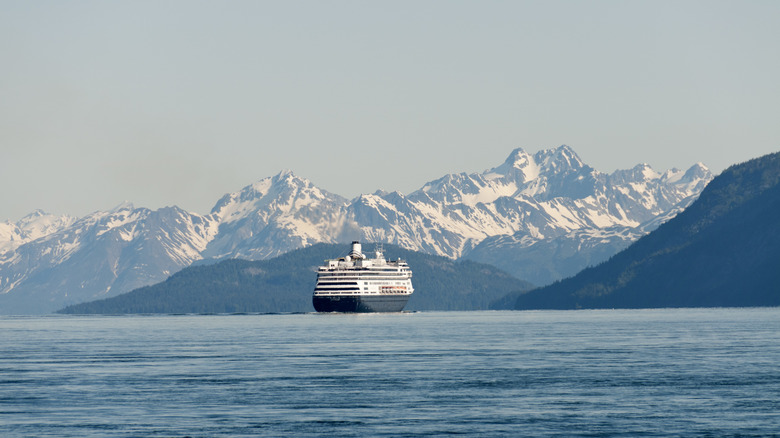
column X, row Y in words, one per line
column 356, row 283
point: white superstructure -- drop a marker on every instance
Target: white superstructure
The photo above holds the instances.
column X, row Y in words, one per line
column 357, row 275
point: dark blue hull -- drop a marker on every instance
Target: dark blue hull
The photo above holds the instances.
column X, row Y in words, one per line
column 361, row 304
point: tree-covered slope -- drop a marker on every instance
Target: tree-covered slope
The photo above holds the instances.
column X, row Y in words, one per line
column 724, row 250
column 286, row 284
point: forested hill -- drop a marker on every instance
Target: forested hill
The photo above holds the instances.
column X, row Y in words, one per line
column 286, row 284
column 724, row 250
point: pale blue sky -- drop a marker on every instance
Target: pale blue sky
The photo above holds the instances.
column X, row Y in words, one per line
column 179, row 102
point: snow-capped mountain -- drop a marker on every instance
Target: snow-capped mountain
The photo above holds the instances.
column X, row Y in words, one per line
column 546, row 212
column 543, row 260
column 33, row 226
column 276, row 215
column 539, row 197
column 101, row 255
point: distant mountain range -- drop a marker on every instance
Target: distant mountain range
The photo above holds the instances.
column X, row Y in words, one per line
column 285, row 284
column 538, row 216
column 724, row 250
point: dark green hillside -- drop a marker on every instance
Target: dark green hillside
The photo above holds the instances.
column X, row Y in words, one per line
column 286, row 283
column 724, row 250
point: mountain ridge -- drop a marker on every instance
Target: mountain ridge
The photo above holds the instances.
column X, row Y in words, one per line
column 541, row 196
column 721, row 251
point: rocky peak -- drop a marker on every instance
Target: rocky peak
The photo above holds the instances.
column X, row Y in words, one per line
column 696, row 172
column 519, row 165
column 562, row 159
column 281, row 189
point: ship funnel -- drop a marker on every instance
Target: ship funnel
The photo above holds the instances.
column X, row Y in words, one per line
column 356, row 252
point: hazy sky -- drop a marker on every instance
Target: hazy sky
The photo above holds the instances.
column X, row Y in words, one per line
column 178, row 102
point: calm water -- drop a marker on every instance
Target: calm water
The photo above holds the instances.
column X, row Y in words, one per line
column 712, row 372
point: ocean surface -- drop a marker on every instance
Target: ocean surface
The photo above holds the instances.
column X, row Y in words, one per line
column 681, row 372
